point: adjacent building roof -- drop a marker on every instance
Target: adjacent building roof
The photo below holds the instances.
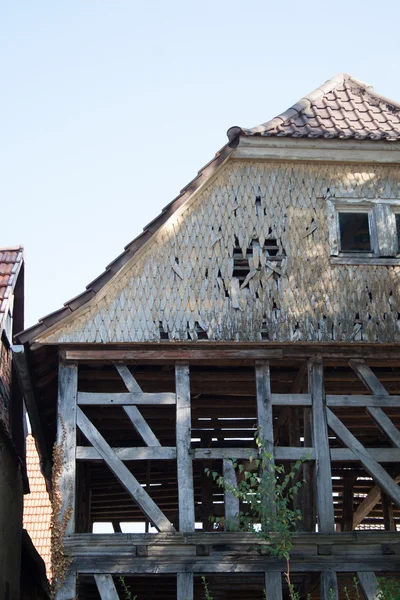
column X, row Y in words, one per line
column 10, row 263
column 37, row 508
column 343, row 108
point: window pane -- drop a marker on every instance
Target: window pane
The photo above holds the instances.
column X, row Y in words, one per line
column 398, row 231
column 354, row 232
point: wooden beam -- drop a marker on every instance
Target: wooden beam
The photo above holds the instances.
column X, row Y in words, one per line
column 124, row 399
column 381, row 419
column 184, row 584
column 291, row 399
column 68, row 588
column 211, row 353
column 106, row 587
column 128, row 379
column 66, row 440
column 266, row 431
column 347, row 503
column 129, row 482
column 369, row 502
column 387, row 509
column 369, row 584
column 127, row 454
column 374, row 469
column 141, row 426
column 273, row 585
column 183, row 441
column 375, row 400
column 329, row 586
column 231, row 500
column 325, row 514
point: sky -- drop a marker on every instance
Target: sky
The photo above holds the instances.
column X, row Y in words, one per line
column 108, row 109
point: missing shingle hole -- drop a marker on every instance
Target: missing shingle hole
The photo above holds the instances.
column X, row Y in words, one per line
column 201, row 334
column 258, row 200
column 162, row 332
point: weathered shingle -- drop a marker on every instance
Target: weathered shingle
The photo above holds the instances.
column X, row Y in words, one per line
column 342, row 108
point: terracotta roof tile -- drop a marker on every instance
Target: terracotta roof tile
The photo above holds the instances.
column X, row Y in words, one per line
column 37, row 508
column 343, row 107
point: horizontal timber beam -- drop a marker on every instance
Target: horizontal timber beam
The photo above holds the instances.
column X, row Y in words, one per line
column 281, row 453
column 125, row 398
column 172, row 354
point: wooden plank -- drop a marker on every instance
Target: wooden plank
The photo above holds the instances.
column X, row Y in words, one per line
column 184, row 584
column 211, row 353
column 363, row 401
column 325, row 514
column 273, row 585
column 126, row 454
column 128, row 379
column 183, row 441
column 141, row 426
column 66, row 440
column 368, row 584
column 388, row 455
column 231, row 501
column 68, row 588
column 106, row 587
column 124, row 399
column 291, row 399
column 329, row 586
column 380, row 418
column 369, row 502
column 266, row 431
column 130, row 483
column 387, row 509
column 374, row 469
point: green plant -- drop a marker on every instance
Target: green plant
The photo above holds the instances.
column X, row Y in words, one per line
column 388, row 589
column 207, row 593
column 267, row 491
column 126, row 589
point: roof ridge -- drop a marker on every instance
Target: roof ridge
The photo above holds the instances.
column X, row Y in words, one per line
column 12, row 248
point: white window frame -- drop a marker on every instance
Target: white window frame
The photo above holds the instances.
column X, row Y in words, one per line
column 382, row 229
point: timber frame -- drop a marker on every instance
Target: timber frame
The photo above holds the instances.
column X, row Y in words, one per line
column 163, row 400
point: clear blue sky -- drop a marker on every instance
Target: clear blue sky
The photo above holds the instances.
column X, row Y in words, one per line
column 108, row 108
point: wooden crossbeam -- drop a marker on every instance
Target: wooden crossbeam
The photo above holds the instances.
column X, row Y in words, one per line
column 127, row 454
column 125, row 399
column 130, row 483
column 128, row 379
column 141, row 426
column 106, row 587
column 369, row 502
column 372, row 467
column 381, row 419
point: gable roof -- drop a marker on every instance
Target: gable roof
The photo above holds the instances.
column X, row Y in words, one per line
column 343, row 108
column 10, row 263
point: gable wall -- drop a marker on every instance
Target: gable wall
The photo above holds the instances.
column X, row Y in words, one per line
column 183, row 280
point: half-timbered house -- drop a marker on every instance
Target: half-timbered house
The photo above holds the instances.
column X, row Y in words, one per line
column 265, row 295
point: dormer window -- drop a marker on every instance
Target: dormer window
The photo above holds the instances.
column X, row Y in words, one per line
column 364, row 231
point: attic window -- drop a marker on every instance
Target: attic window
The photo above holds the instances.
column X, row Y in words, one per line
column 354, row 232
column 365, row 231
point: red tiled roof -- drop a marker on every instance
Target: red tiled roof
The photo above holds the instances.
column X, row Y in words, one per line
column 10, row 264
column 37, row 508
column 343, row 108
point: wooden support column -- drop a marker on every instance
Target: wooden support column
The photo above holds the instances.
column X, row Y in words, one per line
column 184, row 459
column 184, row 585
column 347, row 503
column 325, row 514
column 329, row 586
column 273, row 585
column 106, row 587
column 273, row 579
column 66, row 440
column 231, row 501
column 387, row 509
column 369, row 585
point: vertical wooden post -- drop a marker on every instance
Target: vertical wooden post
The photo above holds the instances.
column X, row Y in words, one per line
column 329, row 586
column 307, row 491
column 183, row 440
column 273, row 579
column 325, row 514
column 66, row 441
column 387, row 509
column 184, row 586
column 347, row 503
column 231, row 501
column 273, row 585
